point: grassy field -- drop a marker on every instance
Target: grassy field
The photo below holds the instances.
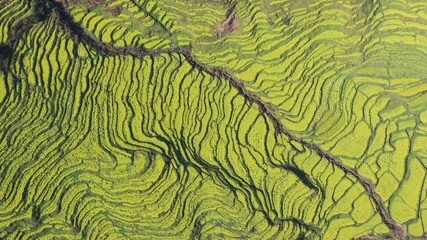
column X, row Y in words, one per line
column 275, row 119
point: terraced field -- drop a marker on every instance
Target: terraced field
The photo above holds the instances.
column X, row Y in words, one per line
column 196, row 119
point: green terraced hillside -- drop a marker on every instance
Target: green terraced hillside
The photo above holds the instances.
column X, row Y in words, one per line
column 213, row 119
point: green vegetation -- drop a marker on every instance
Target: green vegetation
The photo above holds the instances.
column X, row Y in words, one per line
column 136, row 119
